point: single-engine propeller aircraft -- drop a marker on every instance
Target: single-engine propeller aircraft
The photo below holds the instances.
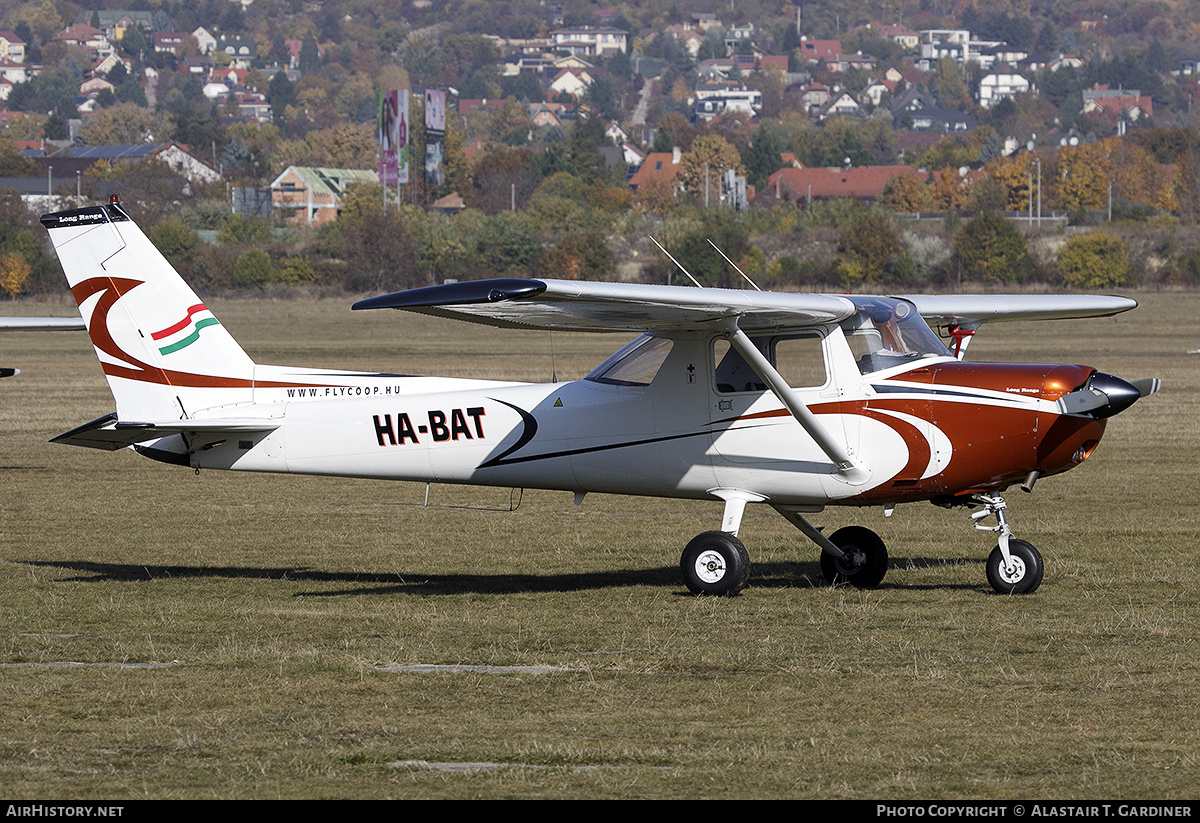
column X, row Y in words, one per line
column 798, row 401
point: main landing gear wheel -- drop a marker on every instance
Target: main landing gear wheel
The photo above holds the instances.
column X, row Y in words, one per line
column 866, row 559
column 1022, row 575
column 715, row 563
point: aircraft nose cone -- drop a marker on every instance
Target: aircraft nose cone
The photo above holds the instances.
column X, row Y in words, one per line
column 1121, row 394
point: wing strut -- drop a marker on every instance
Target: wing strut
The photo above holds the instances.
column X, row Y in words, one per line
column 850, row 470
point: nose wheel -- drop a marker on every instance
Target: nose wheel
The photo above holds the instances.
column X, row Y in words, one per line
column 1014, row 566
column 1020, row 573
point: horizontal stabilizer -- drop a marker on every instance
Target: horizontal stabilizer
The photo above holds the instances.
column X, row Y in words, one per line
column 110, row 434
column 41, row 323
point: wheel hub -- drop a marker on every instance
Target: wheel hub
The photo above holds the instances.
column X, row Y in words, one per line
column 851, row 561
column 1013, row 571
column 710, row 566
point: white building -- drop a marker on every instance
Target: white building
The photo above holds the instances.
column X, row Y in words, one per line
column 1001, row 84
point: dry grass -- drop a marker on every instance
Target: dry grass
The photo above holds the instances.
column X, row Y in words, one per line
column 278, row 603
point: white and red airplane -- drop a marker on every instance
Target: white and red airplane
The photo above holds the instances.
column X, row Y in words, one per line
column 798, row 401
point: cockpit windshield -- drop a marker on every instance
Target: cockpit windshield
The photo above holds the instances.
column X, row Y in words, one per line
column 887, row 332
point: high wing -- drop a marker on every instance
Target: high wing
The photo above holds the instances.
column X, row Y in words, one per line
column 973, row 310
column 571, row 305
column 960, row 315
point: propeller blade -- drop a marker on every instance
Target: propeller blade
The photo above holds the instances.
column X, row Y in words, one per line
column 1147, row 385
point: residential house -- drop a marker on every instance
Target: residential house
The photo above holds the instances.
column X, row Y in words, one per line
column 814, row 96
column 820, row 50
column 848, row 62
column 903, row 36
column 14, row 72
column 735, row 36
column 204, row 40
column 109, row 62
column 243, row 52
column 11, row 47
column 170, row 42
column 81, row 34
column 543, row 115
column 1117, row 104
column 690, row 39
column 705, row 21
column 1003, row 83
column 1065, row 61
column 839, row 103
column 95, row 85
column 253, row 106
column 116, row 22
column 875, row 92
column 201, row 66
column 615, row 134
column 573, row 82
column 312, row 196
column 712, row 99
column 804, row 185
column 658, row 169
column 294, row 47
column 942, row 120
column 590, row 40
column 514, row 64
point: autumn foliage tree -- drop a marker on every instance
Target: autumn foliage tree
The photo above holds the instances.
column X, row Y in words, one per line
column 990, row 249
column 906, row 193
column 701, row 169
column 1092, row 261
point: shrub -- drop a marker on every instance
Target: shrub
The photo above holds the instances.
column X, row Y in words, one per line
column 991, row 250
column 1095, row 260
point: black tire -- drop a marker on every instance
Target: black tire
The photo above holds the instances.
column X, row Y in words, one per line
column 715, row 563
column 865, row 564
column 1026, row 574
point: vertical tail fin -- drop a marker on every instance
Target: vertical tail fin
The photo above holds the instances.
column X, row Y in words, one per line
column 163, row 352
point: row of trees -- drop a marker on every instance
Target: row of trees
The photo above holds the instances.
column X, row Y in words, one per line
column 1155, row 171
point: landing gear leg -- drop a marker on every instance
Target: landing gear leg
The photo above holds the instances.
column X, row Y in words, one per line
column 1014, row 566
column 852, row 555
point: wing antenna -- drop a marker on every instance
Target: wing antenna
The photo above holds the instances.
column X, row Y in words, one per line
column 739, row 271
column 676, row 262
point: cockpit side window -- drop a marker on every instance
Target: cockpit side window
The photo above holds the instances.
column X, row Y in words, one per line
column 636, row 364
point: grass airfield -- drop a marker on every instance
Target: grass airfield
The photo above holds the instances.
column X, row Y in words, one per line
column 172, row 635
